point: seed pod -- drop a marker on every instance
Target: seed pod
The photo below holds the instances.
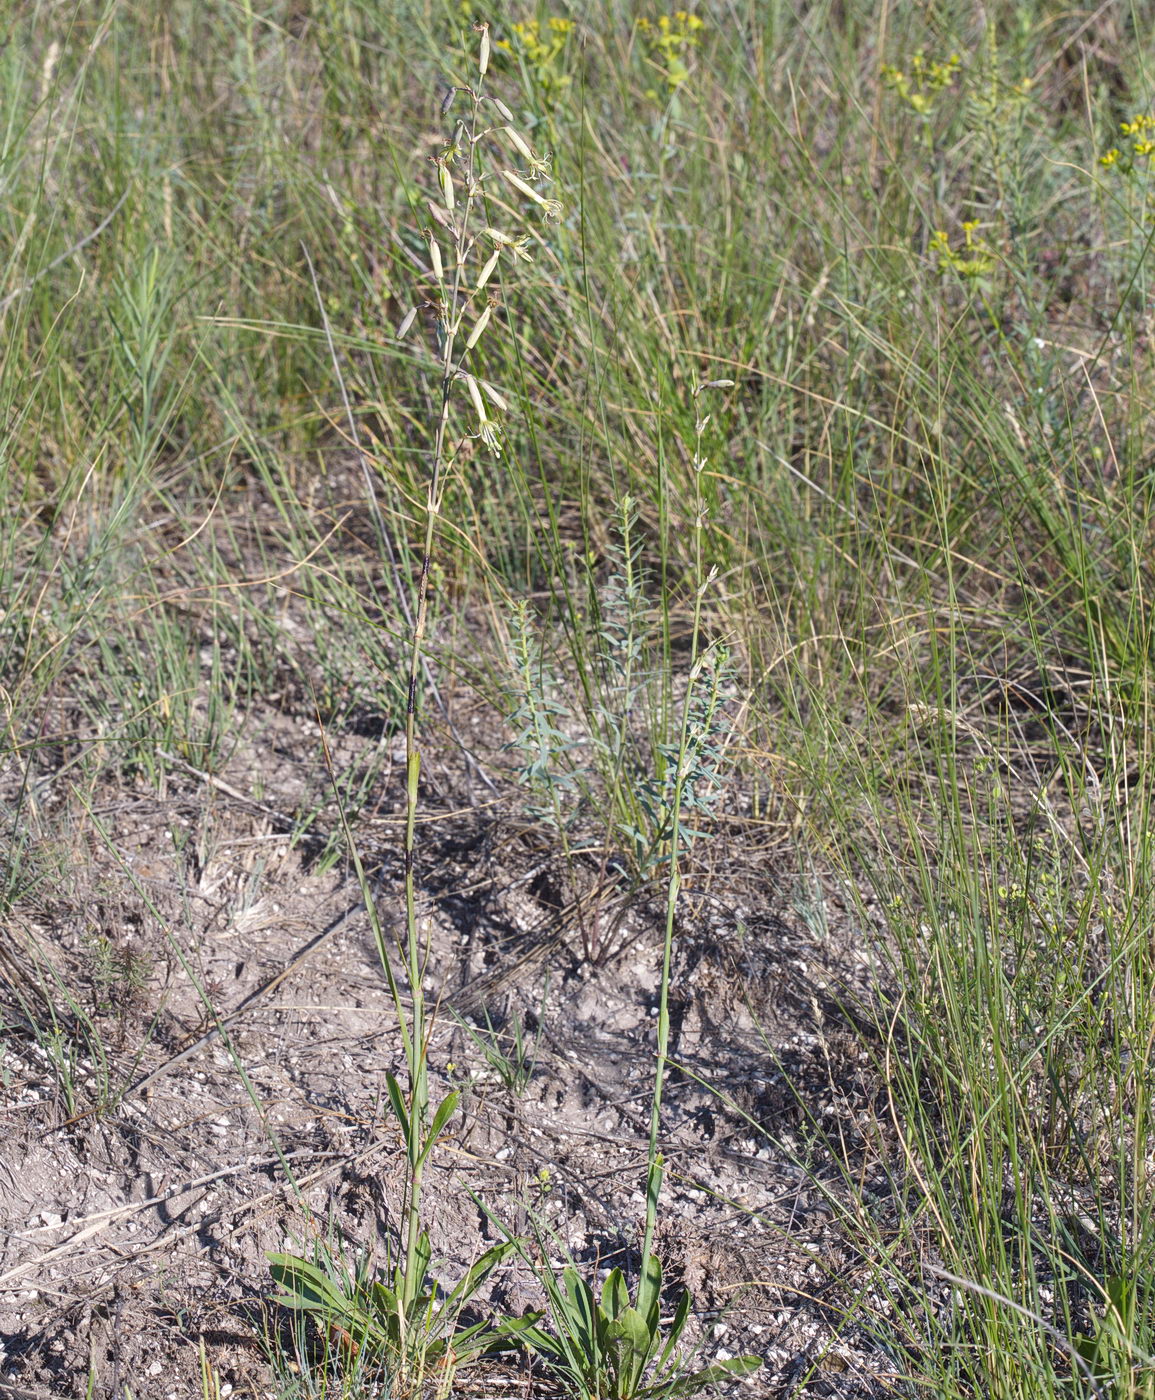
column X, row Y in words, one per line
column 487, row 270
column 519, row 184
column 520, row 144
column 494, row 397
column 441, row 217
column 483, row 59
column 446, row 185
column 403, row 328
column 479, row 327
column 435, row 259
column 475, row 395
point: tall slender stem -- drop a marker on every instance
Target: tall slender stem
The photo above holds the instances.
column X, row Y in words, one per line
column 674, row 882
column 449, row 319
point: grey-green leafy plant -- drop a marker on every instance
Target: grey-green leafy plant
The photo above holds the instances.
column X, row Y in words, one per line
column 141, row 312
column 606, row 756
column 691, row 771
column 587, row 755
column 547, row 772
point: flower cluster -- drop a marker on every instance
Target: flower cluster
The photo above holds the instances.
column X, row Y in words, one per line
column 1139, row 138
column 541, row 47
column 669, row 40
column 924, row 82
column 461, row 295
column 974, row 259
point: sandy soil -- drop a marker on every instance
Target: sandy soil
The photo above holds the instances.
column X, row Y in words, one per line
column 138, row 1214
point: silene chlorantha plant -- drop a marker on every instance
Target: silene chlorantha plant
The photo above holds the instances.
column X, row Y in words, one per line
column 403, row 1325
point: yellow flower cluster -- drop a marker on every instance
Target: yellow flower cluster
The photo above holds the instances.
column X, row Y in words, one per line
column 669, row 39
column 974, row 259
column 542, row 47
column 1140, row 133
column 926, row 79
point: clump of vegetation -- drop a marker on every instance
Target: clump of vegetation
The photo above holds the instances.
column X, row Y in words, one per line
column 731, row 446
column 612, row 1349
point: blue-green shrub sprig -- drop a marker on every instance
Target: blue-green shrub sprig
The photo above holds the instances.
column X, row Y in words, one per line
column 544, row 746
column 692, row 774
column 588, row 752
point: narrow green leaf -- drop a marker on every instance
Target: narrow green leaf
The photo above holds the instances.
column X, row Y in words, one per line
column 631, row 1342
column 478, row 1272
column 677, row 1326
column 384, row 1299
column 581, row 1311
column 422, row 1258
column 654, row 1184
column 494, row 1335
column 397, row 1101
column 445, row 1111
column 524, row 1331
column 307, row 1287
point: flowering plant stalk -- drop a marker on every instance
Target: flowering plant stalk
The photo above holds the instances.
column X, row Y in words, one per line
column 405, row 1322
